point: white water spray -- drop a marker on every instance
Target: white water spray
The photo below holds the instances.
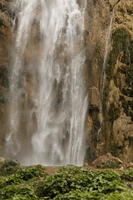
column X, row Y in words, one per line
column 61, row 100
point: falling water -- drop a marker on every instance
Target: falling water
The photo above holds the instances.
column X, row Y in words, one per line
column 107, row 48
column 60, row 103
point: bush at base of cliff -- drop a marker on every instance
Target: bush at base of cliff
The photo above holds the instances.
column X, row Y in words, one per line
column 78, row 195
column 64, row 181
column 17, row 192
column 22, row 175
column 128, row 175
column 73, row 183
column 77, row 179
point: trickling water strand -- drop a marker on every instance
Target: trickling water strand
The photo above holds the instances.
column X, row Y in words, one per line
column 61, row 101
column 107, row 45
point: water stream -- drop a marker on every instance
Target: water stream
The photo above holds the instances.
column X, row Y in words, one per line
column 106, row 53
column 60, row 100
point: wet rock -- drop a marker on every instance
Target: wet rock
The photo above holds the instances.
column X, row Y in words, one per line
column 5, row 162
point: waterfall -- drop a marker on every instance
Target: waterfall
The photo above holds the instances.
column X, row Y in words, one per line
column 60, row 97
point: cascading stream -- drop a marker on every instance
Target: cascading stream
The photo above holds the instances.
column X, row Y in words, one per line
column 60, row 103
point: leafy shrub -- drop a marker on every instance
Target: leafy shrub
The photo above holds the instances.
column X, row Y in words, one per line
column 75, row 183
column 23, row 174
column 77, row 179
column 127, row 175
column 64, row 181
column 120, row 196
column 79, row 195
column 107, row 182
column 7, row 171
column 3, row 182
column 30, row 172
column 108, row 175
column 110, row 164
column 17, row 193
column 8, row 167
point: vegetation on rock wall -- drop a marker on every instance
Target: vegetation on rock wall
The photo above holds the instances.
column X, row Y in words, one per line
column 122, row 75
column 115, row 125
column 117, row 130
column 119, row 73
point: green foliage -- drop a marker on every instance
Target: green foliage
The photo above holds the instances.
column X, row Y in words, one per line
column 8, row 168
column 22, row 175
column 110, row 164
column 109, row 175
column 107, row 182
column 6, row 171
column 64, row 181
column 79, row 195
column 74, row 183
column 127, row 175
column 18, row 193
column 120, row 196
column 67, row 181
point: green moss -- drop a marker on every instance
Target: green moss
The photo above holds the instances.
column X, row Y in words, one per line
column 120, row 43
column 122, row 51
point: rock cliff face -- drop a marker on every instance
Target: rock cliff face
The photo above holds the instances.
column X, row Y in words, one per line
column 112, row 130
column 117, row 131
column 6, row 20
